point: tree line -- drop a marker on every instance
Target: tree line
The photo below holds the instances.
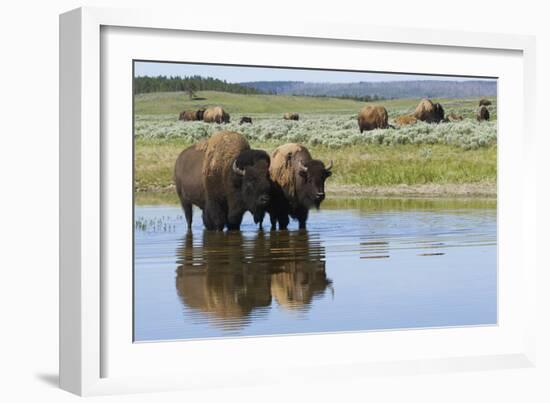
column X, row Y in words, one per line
column 191, row 84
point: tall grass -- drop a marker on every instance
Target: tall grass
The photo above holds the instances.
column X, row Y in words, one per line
column 363, row 165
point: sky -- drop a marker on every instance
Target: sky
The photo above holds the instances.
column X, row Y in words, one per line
column 236, row 74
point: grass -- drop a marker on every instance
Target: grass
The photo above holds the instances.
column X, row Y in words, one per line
column 172, row 103
column 364, row 165
column 447, row 158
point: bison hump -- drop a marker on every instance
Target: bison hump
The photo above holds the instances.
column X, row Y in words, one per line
column 284, row 160
column 220, row 151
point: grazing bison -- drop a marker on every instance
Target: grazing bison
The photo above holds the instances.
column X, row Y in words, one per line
column 429, row 112
column 215, row 114
column 223, row 177
column 298, row 184
column 484, row 102
column 453, row 117
column 405, row 120
column 191, row 115
column 245, row 119
column 291, row 116
column 482, row 114
column 188, row 115
column 372, row 117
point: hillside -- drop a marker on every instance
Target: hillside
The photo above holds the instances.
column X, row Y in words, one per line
column 172, row 103
column 393, row 89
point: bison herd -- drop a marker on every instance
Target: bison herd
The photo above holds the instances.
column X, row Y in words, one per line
column 225, row 178
column 370, row 117
column 376, row 117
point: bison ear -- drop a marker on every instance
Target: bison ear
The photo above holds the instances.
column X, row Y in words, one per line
column 327, row 173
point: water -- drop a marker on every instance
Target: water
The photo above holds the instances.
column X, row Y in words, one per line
column 361, row 265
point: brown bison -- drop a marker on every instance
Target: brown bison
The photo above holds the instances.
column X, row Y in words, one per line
column 482, row 114
column 405, row 120
column 298, row 184
column 372, row 117
column 454, row 117
column 291, row 116
column 245, row 119
column 215, row 114
column 484, row 102
column 225, row 178
column 429, row 112
column 191, row 115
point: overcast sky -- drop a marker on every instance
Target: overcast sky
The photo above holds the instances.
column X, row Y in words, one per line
column 236, row 74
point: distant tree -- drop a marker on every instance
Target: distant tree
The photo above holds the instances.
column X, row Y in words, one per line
column 190, row 88
column 191, row 85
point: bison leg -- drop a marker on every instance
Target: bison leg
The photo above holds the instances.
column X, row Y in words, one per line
column 234, row 221
column 302, row 215
column 185, row 205
column 273, row 219
column 213, row 216
column 188, row 210
column 283, row 221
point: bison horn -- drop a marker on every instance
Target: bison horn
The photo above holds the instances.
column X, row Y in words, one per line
column 329, row 166
column 303, row 168
column 236, row 169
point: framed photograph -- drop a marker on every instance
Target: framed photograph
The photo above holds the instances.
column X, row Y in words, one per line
column 245, row 202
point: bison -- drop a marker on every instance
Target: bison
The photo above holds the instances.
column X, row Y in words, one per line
column 429, row 112
column 298, row 183
column 191, row 115
column 405, row 120
column 484, row 102
column 215, row 114
column 482, row 114
column 372, row 117
column 225, row 178
column 291, row 116
column 454, row 117
column 245, row 119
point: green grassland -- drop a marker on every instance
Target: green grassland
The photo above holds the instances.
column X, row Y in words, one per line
column 457, row 158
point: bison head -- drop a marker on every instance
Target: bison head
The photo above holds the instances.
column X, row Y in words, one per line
column 251, row 170
column 310, row 188
column 439, row 112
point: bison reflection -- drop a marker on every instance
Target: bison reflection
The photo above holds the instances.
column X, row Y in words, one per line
column 231, row 277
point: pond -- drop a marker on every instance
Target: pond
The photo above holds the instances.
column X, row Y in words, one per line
column 362, row 264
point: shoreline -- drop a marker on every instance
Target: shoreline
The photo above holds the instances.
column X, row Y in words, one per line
column 430, row 190
column 478, row 190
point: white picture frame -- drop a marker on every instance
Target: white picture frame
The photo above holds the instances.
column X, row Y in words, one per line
column 85, row 306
